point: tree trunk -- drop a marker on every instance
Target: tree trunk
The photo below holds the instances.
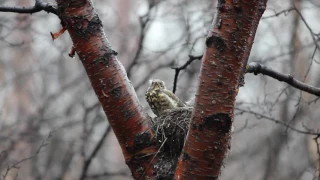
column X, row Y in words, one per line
column 109, row 80
column 228, row 44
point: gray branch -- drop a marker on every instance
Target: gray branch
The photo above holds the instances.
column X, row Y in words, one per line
column 256, row 68
column 38, row 6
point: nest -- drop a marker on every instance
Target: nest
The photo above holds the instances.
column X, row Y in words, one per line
column 170, row 129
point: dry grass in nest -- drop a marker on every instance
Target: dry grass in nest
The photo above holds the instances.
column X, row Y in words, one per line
column 171, row 129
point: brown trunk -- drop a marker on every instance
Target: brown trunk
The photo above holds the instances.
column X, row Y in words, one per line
column 109, row 80
column 228, row 44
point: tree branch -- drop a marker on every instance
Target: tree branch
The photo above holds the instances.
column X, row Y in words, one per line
column 318, row 152
column 178, row 69
column 38, row 6
column 144, row 21
column 262, row 116
column 88, row 161
column 257, row 68
column 108, row 174
column 309, row 28
column 17, row 164
column 276, row 14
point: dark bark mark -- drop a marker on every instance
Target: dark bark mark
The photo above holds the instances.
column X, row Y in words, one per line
column 137, row 160
column 236, row 5
column 104, row 59
column 71, row 3
column 241, row 81
column 220, row 121
column 116, row 93
column 221, row 5
column 216, row 41
column 219, row 80
column 82, row 25
column 233, row 41
column 186, row 157
column 128, row 114
column 141, row 141
column 85, row 26
column 262, row 6
column 194, row 126
column 63, row 5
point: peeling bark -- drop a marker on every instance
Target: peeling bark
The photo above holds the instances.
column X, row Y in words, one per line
column 109, row 80
column 228, row 44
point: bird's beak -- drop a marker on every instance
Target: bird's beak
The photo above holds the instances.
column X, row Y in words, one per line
column 156, row 86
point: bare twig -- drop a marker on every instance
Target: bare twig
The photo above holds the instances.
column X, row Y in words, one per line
column 38, row 6
column 178, row 69
column 106, row 174
column 145, row 22
column 285, row 12
column 318, row 152
column 309, row 28
column 257, row 68
column 262, row 116
column 88, row 161
column 16, row 165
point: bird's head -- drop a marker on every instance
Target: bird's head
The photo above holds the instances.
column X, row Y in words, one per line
column 157, row 84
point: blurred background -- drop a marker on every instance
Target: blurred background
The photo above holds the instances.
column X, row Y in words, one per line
column 51, row 123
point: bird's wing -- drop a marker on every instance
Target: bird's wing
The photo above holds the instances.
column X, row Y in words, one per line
column 175, row 98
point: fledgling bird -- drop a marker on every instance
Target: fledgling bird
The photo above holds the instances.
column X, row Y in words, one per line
column 161, row 99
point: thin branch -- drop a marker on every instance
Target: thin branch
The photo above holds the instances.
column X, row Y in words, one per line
column 144, row 20
column 178, row 69
column 257, row 68
column 309, row 28
column 318, row 152
column 16, row 165
column 88, row 161
column 285, row 12
column 262, row 116
column 139, row 51
column 38, row 6
column 107, row 174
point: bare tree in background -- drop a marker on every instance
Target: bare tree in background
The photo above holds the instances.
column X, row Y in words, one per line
column 63, row 135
